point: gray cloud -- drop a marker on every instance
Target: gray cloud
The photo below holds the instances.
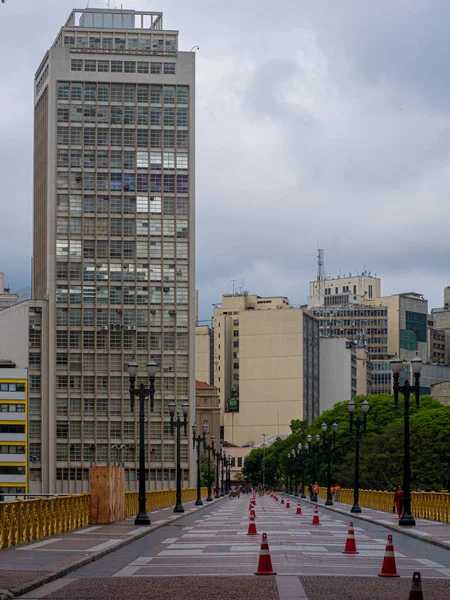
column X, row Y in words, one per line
column 324, row 121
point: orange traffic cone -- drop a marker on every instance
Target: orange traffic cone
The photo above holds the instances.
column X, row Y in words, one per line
column 282, row 499
column 316, row 520
column 288, row 503
column 252, row 513
column 416, row 587
column 299, row 508
column 265, row 562
column 350, row 544
column 252, row 526
column 389, row 568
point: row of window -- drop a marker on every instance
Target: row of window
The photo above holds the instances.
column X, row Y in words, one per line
column 118, row 340
column 8, row 428
column 117, row 159
column 127, row 182
column 123, row 92
column 91, row 383
column 119, row 41
column 127, row 66
column 12, row 408
column 89, row 203
column 79, row 474
column 11, row 470
column 119, row 273
column 127, row 227
column 11, row 449
column 169, row 138
column 84, row 452
column 115, row 249
column 118, row 295
column 77, row 362
column 12, row 387
column 124, row 115
column 102, row 407
column 110, row 430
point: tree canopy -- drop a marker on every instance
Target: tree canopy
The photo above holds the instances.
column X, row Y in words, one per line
column 381, row 449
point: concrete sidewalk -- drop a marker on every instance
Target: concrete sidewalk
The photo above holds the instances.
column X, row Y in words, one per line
column 31, row 565
column 433, row 532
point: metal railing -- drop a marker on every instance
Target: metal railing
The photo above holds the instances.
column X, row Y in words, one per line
column 160, row 499
column 434, row 506
column 27, row 520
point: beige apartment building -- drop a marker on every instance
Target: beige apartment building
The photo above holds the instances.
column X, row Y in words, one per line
column 266, row 366
column 343, row 290
column 407, row 316
column 114, row 196
column 203, row 362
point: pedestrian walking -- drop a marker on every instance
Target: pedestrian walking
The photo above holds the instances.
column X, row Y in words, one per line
column 310, row 491
column 398, row 500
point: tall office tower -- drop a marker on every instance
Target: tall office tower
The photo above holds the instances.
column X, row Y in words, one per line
column 114, row 240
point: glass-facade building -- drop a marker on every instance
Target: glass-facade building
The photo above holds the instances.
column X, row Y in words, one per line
column 114, row 240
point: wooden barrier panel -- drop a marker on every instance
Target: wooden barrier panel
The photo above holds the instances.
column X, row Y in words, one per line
column 107, row 494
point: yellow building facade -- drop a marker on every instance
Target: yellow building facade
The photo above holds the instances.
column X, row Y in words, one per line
column 13, row 431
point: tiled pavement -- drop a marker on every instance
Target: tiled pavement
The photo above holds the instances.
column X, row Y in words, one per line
column 48, row 557
column 208, row 555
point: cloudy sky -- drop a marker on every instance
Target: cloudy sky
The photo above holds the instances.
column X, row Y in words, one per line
column 317, row 122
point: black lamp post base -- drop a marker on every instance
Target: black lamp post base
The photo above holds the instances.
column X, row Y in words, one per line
column 178, row 508
column 407, row 521
column 295, row 494
column 303, row 496
column 222, row 495
column 355, row 509
column 198, row 502
column 209, row 499
column 328, row 502
column 217, row 496
column 142, row 519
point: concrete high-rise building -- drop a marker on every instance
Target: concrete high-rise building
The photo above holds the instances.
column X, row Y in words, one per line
column 114, row 239
column 441, row 321
column 6, row 298
column 266, row 366
column 337, row 371
column 13, row 430
column 343, row 290
column 407, row 324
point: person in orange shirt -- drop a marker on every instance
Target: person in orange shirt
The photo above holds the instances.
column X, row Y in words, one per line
column 336, row 489
column 315, row 489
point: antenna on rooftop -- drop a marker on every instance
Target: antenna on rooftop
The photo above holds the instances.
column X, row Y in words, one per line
column 320, row 270
column 233, row 281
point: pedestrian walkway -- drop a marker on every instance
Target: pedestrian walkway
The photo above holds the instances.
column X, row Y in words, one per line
column 44, row 560
column 208, row 555
column 433, row 532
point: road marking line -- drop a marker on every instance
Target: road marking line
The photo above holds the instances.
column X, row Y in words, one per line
column 88, row 530
column 103, row 546
column 127, row 571
column 40, row 544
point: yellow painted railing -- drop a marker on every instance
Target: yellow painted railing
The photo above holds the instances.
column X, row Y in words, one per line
column 426, row 505
column 28, row 520
column 160, row 499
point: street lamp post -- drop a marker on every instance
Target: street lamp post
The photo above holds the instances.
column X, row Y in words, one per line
column 407, row 518
column 178, row 424
column 228, row 465
column 351, row 409
column 314, row 448
column 330, row 442
column 264, row 459
column 208, row 449
column 199, row 440
column 222, row 460
column 302, row 457
column 142, row 517
column 217, row 454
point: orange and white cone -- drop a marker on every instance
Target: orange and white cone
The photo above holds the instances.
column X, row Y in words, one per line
column 299, row 508
column 252, row 526
column 288, row 503
column 389, row 568
column 253, row 513
column 416, row 587
column 265, row 562
column 350, row 544
column 282, row 499
column 316, row 520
